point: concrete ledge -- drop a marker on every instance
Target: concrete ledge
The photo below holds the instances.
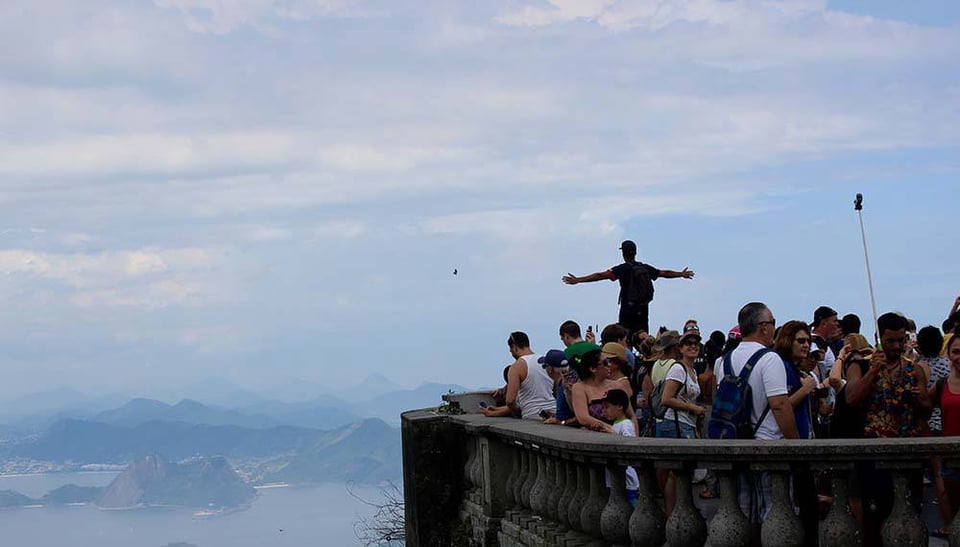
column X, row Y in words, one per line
column 603, row 447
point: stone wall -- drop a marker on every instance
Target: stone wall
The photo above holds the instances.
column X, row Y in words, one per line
column 472, row 480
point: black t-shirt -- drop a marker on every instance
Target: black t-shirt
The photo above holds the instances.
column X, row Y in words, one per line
column 622, row 274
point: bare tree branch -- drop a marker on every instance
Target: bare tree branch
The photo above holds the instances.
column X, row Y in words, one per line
column 386, row 527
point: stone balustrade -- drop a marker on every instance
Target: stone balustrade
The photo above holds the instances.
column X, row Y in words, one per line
column 519, row 482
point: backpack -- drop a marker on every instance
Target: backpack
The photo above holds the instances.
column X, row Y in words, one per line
column 733, row 402
column 656, row 397
column 639, row 287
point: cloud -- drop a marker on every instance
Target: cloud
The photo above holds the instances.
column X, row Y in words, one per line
column 145, row 278
column 747, row 35
column 220, row 17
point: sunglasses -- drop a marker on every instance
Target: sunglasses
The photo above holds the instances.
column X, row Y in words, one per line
column 802, row 341
column 691, row 343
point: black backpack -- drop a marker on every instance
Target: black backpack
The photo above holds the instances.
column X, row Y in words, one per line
column 732, row 416
column 638, row 287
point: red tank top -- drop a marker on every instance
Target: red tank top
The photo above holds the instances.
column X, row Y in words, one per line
column 950, row 411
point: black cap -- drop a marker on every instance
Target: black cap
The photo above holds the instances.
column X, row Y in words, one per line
column 822, row 313
column 628, row 246
column 617, row 397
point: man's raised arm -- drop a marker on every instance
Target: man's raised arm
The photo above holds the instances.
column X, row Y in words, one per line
column 571, row 279
column 686, row 273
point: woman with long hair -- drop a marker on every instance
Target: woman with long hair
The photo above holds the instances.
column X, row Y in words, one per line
column 947, row 398
column 680, row 394
column 596, row 378
column 793, row 346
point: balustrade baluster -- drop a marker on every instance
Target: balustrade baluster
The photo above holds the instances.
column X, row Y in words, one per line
column 729, row 527
column 685, row 527
column 532, row 471
column 471, row 449
column 615, row 518
column 569, row 492
column 904, row 527
column 510, row 485
column 522, row 479
column 554, row 488
column 538, row 494
column 782, row 527
column 593, row 508
column 840, row 528
column 647, row 521
column 477, row 471
column 580, row 497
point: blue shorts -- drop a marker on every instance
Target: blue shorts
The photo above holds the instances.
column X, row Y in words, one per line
column 667, row 429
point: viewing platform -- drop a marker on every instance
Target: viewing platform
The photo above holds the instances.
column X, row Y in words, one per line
column 473, row 480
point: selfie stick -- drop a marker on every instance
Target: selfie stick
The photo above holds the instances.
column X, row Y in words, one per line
column 858, row 207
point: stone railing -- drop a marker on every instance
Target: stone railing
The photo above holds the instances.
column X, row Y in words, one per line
column 472, row 480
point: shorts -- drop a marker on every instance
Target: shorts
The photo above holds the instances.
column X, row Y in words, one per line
column 667, row 429
column 755, row 495
column 635, row 317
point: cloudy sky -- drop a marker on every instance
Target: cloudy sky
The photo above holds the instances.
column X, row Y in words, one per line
column 273, row 192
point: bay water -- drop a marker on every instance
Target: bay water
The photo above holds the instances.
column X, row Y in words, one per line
column 281, row 517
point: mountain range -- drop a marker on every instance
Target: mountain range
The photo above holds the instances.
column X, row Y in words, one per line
column 37, row 413
column 203, row 483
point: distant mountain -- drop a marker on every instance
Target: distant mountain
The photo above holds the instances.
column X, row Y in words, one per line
column 139, row 411
column 207, row 483
column 71, row 493
column 34, row 413
column 218, row 392
column 367, row 452
column 372, row 386
column 12, row 498
column 388, row 406
column 94, row 442
column 322, row 413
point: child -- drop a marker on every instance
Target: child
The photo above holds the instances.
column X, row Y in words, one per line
column 614, row 410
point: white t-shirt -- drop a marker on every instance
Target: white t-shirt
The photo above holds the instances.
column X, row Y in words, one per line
column 768, row 379
column 624, row 428
column 688, row 393
column 536, row 391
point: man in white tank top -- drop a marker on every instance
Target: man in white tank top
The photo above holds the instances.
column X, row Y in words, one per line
column 529, row 388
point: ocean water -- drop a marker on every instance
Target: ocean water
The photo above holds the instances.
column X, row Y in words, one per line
column 295, row 517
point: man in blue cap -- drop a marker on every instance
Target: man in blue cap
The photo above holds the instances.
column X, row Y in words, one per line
column 636, row 286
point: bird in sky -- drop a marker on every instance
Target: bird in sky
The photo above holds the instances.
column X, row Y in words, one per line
column 454, row 271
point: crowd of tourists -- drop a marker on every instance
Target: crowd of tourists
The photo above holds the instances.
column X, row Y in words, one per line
column 822, row 379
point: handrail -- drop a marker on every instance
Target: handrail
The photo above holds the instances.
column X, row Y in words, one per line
column 527, row 483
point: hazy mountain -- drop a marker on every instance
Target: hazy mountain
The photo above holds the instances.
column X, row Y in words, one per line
column 12, row 498
column 373, row 386
column 71, row 493
column 367, row 451
column 218, row 392
column 202, row 483
column 94, row 442
column 139, row 411
column 323, row 413
column 388, row 406
column 36, row 412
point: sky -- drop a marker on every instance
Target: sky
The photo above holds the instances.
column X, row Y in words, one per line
column 273, row 193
